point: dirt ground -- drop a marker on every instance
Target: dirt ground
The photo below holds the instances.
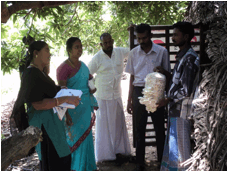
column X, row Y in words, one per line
column 31, row 163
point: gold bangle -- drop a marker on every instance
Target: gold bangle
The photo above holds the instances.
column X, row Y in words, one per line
column 57, row 102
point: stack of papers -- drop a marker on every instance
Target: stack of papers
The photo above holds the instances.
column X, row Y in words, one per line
column 61, row 109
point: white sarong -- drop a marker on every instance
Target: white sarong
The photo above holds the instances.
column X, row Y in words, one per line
column 111, row 136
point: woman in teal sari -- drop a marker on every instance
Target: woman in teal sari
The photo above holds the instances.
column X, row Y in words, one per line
column 74, row 74
column 37, row 91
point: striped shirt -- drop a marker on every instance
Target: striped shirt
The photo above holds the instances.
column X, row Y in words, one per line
column 184, row 74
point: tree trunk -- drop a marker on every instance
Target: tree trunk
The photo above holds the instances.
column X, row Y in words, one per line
column 18, row 146
column 6, row 12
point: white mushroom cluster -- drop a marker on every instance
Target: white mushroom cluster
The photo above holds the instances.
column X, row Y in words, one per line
column 153, row 91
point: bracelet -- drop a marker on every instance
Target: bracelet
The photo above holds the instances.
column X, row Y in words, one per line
column 64, row 87
column 57, row 102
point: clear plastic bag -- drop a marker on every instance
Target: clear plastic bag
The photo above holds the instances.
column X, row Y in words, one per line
column 153, row 91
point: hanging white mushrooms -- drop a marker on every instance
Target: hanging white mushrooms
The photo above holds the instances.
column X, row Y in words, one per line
column 153, row 91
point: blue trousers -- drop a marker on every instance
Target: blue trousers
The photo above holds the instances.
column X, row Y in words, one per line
column 140, row 116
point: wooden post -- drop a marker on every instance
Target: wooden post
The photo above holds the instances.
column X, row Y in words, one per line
column 167, row 39
column 132, row 38
column 132, row 45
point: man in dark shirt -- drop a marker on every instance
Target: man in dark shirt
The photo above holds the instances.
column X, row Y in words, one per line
column 185, row 69
column 177, row 146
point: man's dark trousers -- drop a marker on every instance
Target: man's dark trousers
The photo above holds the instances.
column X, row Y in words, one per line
column 140, row 115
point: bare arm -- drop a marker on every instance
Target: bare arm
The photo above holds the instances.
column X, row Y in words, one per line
column 129, row 104
column 62, row 83
column 50, row 103
column 69, row 122
column 46, row 104
column 168, row 78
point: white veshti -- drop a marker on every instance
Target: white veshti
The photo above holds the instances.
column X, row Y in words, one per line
column 153, row 91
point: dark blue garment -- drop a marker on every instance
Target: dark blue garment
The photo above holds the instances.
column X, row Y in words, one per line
column 177, row 147
column 184, row 74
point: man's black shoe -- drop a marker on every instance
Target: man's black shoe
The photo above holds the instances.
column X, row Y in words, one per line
column 119, row 159
column 139, row 167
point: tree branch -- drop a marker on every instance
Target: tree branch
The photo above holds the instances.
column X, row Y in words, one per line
column 72, row 15
column 32, row 22
column 6, row 12
column 18, row 146
column 27, row 14
column 75, row 12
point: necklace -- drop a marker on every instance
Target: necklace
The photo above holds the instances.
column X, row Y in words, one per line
column 31, row 64
column 71, row 63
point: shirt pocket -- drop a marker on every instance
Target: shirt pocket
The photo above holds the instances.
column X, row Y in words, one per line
column 119, row 62
column 155, row 63
column 119, row 65
column 105, row 66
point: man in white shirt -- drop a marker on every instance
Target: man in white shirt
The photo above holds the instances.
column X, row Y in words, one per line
column 111, row 137
column 142, row 60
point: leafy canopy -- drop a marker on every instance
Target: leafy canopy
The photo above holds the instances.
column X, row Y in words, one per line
column 84, row 19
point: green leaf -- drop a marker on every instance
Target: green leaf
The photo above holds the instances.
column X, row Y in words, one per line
column 14, row 18
column 87, row 24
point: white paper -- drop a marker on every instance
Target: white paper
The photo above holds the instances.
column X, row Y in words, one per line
column 61, row 109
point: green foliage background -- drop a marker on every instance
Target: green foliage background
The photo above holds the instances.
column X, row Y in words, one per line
column 85, row 20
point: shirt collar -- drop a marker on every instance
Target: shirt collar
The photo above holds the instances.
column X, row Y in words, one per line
column 113, row 51
column 181, row 53
column 102, row 52
column 153, row 49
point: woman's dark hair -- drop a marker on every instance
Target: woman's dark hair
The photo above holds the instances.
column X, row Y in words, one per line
column 28, row 40
column 36, row 45
column 18, row 117
column 142, row 28
column 70, row 43
column 185, row 28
